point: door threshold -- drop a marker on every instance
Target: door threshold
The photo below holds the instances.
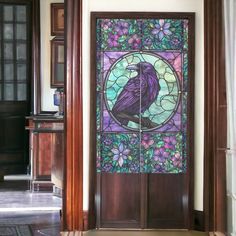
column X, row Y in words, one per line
column 137, row 229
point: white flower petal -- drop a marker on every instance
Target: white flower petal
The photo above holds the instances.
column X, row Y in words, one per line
column 115, row 151
column 120, row 161
column 121, row 147
column 161, row 22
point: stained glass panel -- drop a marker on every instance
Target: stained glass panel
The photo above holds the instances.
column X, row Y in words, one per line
column 142, row 80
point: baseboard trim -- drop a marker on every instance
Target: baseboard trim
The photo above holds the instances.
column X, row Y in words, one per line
column 71, row 233
column 216, row 234
column 85, row 220
column 198, row 217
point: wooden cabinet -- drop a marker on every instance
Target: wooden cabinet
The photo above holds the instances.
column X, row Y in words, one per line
column 46, row 151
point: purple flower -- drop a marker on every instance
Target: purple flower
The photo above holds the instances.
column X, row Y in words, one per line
column 108, row 141
column 160, row 155
column 122, row 28
column 134, row 168
column 134, row 41
column 175, row 41
column 146, row 141
column 170, row 142
column 161, row 29
column 120, row 154
column 148, row 42
column 112, row 40
column 177, row 160
column 159, row 168
column 107, row 167
column 106, row 24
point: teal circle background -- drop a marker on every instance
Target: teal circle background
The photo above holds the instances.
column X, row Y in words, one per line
column 166, row 104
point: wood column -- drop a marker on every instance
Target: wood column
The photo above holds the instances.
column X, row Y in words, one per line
column 215, row 119
column 73, row 198
column 36, row 55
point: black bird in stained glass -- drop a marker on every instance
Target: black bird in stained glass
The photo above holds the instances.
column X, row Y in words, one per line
column 137, row 95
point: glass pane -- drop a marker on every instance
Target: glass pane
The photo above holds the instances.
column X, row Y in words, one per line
column 8, row 92
column 21, row 51
column 8, row 13
column 21, row 31
column 8, row 51
column 21, row 72
column 60, row 72
column 60, row 54
column 8, row 72
column 21, row 92
column 21, row 13
column 8, row 31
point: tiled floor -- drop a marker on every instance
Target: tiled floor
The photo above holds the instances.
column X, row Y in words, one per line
column 23, row 200
column 42, row 212
column 20, row 206
column 45, row 223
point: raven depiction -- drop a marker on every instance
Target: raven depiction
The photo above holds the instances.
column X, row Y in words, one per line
column 137, row 95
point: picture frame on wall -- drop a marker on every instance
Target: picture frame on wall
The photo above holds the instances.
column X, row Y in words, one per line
column 57, row 63
column 57, row 19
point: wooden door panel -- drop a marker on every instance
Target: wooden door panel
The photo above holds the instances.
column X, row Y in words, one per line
column 43, row 153
column 11, row 127
column 166, row 193
column 13, row 138
column 120, row 200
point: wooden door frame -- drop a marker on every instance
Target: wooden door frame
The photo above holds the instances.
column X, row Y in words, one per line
column 73, row 176
column 95, row 183
column 214, row 205
column 215, row 118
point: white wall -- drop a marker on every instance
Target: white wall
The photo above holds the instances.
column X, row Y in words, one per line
column 150, row 5
column 45, row 27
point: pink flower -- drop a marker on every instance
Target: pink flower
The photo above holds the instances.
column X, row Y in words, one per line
column 170, row 142
column 112, row 40
column 146, row 141
column 134, row 41
column 177, row 160
column 106, row 24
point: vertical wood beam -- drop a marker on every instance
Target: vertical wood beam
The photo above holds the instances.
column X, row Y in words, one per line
column 73, row 186
column 215, row 119
column 36, row 55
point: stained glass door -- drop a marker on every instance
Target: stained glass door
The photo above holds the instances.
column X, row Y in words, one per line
column 143, row 119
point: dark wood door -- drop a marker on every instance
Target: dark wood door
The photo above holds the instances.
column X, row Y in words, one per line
column 143, row 201
column 15, row 57
column 13, row 138
column 144, row 119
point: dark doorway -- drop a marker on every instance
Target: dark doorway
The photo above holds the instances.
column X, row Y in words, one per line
column 15, row 82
